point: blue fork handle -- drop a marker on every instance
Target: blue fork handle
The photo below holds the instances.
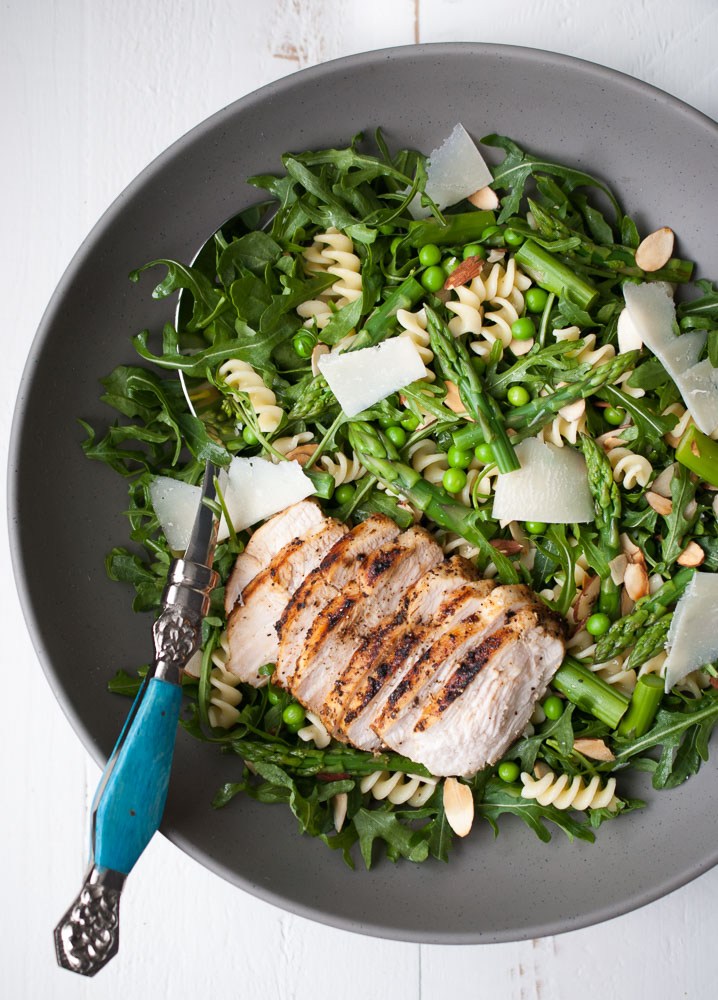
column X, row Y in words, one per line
column 132, row 796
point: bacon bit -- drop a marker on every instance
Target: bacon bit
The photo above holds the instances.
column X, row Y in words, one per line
column 301, row 454
column 636, row 580
column 507, row 545
column 458, row 806
column 692, row 555
column 618, row 569
column 453, row 399
column 325, row 776
column 655, row 251
column 465, row 272
column 485, row 198
column 713, row 681
column 662, row 505
column 595, row 749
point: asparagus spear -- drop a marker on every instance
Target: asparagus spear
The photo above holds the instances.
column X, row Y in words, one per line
column 460, row 228
column 316, row 398
column 553, row 275
column 607, row 505
column 647, row 612
column 308, row 760
column 381, row 459
column 589, row 692
column 644, row 706
column 455, row 361
column 699, row 454
column 651, row 642
column 529, row 419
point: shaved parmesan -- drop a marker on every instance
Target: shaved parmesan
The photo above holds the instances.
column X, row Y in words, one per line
column 361, row 378
column 653, row 314
column 629, row 339
column 551, row 486
column 253, row 489
column 175, row 505
column 692, row 638
column 456, row 170
column 257, row 488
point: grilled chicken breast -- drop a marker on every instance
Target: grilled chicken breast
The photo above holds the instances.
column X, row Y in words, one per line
column 251, row 629
column 347, row 621
column 269, row 539
column 325, row 583
column 482, row 693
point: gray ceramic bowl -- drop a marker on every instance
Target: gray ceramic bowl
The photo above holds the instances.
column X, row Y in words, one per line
column 660, row 156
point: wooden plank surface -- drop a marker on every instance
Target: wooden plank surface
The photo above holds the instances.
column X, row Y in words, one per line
column 91, row 90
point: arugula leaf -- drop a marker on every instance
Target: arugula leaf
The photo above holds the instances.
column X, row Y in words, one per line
column 252, row 251
column 500, row 798
column 683, row 491
column 382, row 824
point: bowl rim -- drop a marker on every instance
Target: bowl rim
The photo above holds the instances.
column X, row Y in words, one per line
column 30, row 612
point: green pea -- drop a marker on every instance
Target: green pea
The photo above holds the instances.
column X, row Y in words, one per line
column 553, row 707
column 473, row 250
column 248, row 436
column 524, row 328
column 535, row 527
column 433, row 278
column 614, row 415
column 344, row 494
column 512, row 238
column 274, row 694
column 490, row 235
column 303, row 343
column 293, row 716
column 454, row 480
column 517, row 395
column 536, row 299
column 484, row 452
column 509, row 770
column 396, row 434
column 410, row 422
column 450, row 264
column 458, row 458
column 385, row 421
column 598, row 624
column 429, row 255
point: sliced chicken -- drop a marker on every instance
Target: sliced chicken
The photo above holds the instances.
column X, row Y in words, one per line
column 266, row 542
column 448, row 591
column 348, row 621
column 487, row 613
column 482, row 693
column 336, row 570
column 251, row 629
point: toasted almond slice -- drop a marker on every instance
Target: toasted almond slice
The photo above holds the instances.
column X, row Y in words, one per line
column 618, row 568
column 636, row 581
column 453, row 399
column 627, row 605
column 632, row 551
column 611, row 439
column 586, row 598
column 692, row 555
column 301, row 454
column 662, row 505
column 520, row 347
column 485, row 198
column 465, row 272
column 458, row 806
column 495, row 255
column 595, row 749
column 662, row 483
column 339, row 810
column 317, row 352
column 690, row 509
column 655, row 251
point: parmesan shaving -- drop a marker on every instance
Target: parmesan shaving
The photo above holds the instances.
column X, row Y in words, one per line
column 359, row 379
column 551, row 486
column 692, row 638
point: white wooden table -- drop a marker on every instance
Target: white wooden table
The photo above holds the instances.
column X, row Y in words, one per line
column 90, row 91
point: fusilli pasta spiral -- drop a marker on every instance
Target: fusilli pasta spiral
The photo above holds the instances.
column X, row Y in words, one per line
column 225, row 697
column 399, row 788
column 241, row 377
column 560, row 430
column 284, row 445
column 428, row 461
column 343, row 469
column 587, row 353
column 315, row 732
column 332, row 252
column 564, row 792
column 629, row 468
column 414, row 326
column 502, row 289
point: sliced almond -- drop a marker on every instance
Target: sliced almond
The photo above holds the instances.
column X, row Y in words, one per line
column 611, row 439
column 302, row 454
column 465, row 272
column 573, row 411
column 692, row 555
column 655, row 251
column 662, row 505
column 595, row 749
column 627, row 605
column 317, row 352
column 715, row 505
column 453, row 399
column 618, row 568
column 662, row 483
column 586, row 598
column 689, row 511
column 485, row 198
column 520, row 347
column 655, row 582
column 495, row 255
column 631, row 550
column 458, row 806
column 636, row 581
column 339, row 810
